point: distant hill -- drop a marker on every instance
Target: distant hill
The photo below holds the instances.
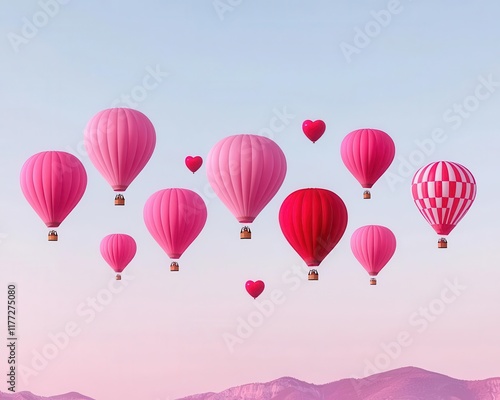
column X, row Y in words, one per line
column 31, row 396
column 407, row 383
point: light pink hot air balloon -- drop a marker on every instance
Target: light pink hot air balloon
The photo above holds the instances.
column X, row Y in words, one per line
column 246, row 171
column 443, row 191
column 118, row 249
column 367, row 153
column 53, row 182
column 373, row 246
column 175, row 217
column 120, row 142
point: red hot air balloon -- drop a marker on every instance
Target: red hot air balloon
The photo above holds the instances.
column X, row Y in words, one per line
column 313, row 221
column 246, row 171
column 254, row 289
column 313, row 129
column 443, row 192
column 118, row 249
column 175, row 217
column 120, row 142
column 193, row 163
column 373, row 246
column 53, row 182
column 367, row 153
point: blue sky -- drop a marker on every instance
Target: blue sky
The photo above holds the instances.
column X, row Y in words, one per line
column 201, row 75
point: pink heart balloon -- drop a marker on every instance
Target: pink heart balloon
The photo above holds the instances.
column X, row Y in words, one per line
column 254, row 289
column 193, row 163
column 313, row 129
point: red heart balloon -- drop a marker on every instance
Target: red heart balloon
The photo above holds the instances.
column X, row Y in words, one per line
column 254, row 289
column 193, row 163
column 313, row 129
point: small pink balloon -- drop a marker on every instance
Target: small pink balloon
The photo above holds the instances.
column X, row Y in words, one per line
column 193, row 163
column 313, row 129
column 254, row 289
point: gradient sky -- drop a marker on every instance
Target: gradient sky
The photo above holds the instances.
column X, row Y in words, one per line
column 233, row 71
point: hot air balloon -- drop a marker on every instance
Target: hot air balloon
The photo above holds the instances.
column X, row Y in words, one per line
column 373, row 246
column 246, row 171
column 367, row 153
column 175, row 217
column 118, row 249
column 53, row 182
column 193, row 163
column 254, row 289
column 443, row 192
column 120, row 142
column 313, row 129
column 313, row 221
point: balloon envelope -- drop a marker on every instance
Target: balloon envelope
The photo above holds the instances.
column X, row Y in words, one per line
column 175, row 217
column 53, row 183
column 118, row 249
column 313, row 221
column 367, row 153
column 254, row 289
column 443, row 192
column 120, row 142
column 246, row 171
column 373, row 246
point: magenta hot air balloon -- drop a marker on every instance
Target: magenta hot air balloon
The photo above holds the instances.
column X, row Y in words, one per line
column 118, row 249
column 373, row 246
column 120, row 142
column 443, row 191
column 53, row 182
column 175, row 217
column 246, row 171
column 367, row 153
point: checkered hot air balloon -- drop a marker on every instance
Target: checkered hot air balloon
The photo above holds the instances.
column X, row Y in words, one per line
column 443, row 192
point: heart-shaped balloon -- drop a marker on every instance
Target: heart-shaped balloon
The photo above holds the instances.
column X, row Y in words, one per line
column 254, row 289
column 313, row 129
column 193, row 163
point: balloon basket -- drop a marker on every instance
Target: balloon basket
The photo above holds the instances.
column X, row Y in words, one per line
column 442, row 243
column 52, row 236
column 119, row 200
column 367, row 195
column 312, row 275
column 373, row 281
column 174, row 266
column 245, row 233
column 118, row 277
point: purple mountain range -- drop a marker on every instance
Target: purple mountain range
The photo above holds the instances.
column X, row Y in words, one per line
column 407, row 383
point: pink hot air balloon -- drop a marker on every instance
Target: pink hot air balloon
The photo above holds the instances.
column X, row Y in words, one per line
column 443, row 191
column 367, row 153
column 120, row 142
column 246, row 171
column 175, row 217
column 53, row 182
column 373, row 246
column 118, row 249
